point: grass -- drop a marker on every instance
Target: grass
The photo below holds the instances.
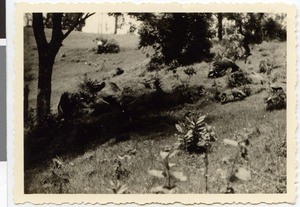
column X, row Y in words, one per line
column 91, row 169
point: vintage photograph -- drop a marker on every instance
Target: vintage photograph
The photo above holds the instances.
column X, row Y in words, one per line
column 155, row 102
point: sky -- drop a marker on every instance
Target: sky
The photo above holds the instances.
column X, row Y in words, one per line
column 103, row 24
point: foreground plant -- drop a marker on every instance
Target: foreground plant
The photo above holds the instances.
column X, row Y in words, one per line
column 58, row 180
column 196, row 136
column 238, row 172
column 118, row 188
column 169, row 175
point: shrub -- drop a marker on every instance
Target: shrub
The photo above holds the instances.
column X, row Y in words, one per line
column 76, row 105
column 105, row 45
column 265, row 66
column 238, row 78
column 273, row 30
column 276, row 101
column 230, row 47
column 195, row 135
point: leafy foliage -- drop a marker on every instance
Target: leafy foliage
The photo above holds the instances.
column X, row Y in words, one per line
column 229, row 47
column 276, row 101
column 57, row 181
column 195, row 134
column 238, row 78
column 265, row 66
column 105, row 45
column 273, row 30
column 169, row 175
column 182, row 37
column 68, row 20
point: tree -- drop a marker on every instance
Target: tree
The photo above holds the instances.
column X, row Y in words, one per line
column 220, row 26
column 118, row 24
column 67, row 21
column 47, row 52
column 177, row 37
column 27, row 19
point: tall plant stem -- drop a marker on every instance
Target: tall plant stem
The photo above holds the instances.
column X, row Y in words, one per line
column 206, row 170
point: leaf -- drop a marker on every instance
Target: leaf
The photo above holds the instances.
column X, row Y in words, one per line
column 243, row 174
column 156, row 173
column 179, row 128
column 173, row 153
column 121, row 189
column 179, row 176
column 172, row 165
column 163, row 154
column 231, row 142
column 200, row 119
column 189, row 120
column 163, row 190
column 189, row 134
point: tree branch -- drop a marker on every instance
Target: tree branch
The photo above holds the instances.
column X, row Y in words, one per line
column 77, row 22
column 38, row 29
column 57, row 34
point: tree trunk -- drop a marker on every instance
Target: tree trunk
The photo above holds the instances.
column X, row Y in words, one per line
column 220, row 26
column 116, row 24
column 46, row 61
column 46, row 53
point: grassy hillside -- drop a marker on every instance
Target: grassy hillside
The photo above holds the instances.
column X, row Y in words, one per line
column 91, row 169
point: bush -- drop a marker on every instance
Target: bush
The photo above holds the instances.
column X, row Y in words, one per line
column 265, row 66
column 230, row 47
column 195, row 135
column 238, row 78
column 76, row 105
column 273, row 30
column 105, row 45
column 276, row 101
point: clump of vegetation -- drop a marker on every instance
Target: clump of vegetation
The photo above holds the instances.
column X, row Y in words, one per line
column 57, row 181
column 105, row 45
column 169, row 175
column 229, row 47
column 238, row 169
column 118, row 188
column 265, row 66
column 276, row 101
column 75, row 105
column 238, row 78
column 195, row 135
column 120, row 172
column 273, row 30
column 190, row 71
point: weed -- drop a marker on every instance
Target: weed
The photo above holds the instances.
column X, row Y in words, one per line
column 195, row 135
column 170, row 176
column 120, row 172
column 190, row 71
column 265, row 66
column 276, row 100
column 57, row 181
column 118, row 188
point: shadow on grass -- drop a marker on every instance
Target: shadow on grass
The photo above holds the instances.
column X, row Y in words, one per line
column 142, row 115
